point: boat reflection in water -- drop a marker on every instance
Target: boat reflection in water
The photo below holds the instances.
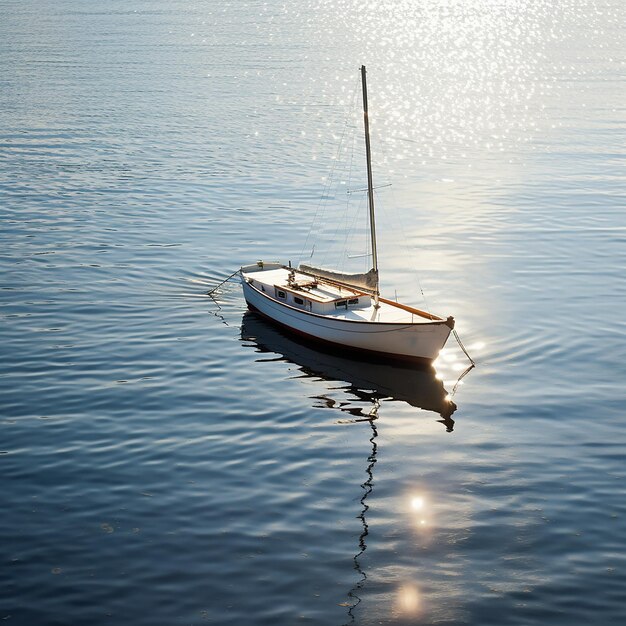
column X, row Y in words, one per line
column 369, row 380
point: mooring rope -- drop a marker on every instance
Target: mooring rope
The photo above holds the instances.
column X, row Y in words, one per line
column 212, row 291
column 458, row 340
column 469, row 369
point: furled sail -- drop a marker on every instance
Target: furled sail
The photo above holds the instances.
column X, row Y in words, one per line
column 367, row 281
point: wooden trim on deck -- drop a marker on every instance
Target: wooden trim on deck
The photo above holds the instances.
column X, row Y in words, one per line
column 410, row 309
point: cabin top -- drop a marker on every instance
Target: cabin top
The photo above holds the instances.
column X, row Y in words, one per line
column 307, row 285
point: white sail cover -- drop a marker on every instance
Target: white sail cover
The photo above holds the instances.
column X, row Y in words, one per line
column 367, row 281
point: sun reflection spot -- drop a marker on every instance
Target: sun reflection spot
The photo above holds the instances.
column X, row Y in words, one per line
column 408, row 599
column 417, row 503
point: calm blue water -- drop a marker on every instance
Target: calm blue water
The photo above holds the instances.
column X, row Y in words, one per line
column 167, row 458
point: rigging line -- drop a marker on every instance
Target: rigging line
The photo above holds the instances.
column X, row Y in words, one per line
column 368, row 240
column 403, row 228
column 343, row 222
column 405, row 245
column 324, row 199
column 348, row 199
column 321, row 203
column 348, row 123
column 351, row 191
column 351, row 232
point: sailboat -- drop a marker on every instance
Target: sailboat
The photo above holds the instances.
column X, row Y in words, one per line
column 345, row 311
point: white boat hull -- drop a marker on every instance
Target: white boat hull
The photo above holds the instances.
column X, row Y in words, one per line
column 404, row 341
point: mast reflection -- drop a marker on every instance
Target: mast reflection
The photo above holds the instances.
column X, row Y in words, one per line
column 367, row 487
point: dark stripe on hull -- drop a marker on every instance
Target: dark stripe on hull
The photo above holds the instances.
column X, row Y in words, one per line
column 341, row 349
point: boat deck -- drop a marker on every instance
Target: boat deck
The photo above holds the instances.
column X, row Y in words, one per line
column 325, row 293
column 384, row 313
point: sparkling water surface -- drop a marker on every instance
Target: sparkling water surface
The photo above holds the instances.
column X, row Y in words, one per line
column 169, row 458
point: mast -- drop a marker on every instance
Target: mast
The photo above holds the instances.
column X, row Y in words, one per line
column 370, row 185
